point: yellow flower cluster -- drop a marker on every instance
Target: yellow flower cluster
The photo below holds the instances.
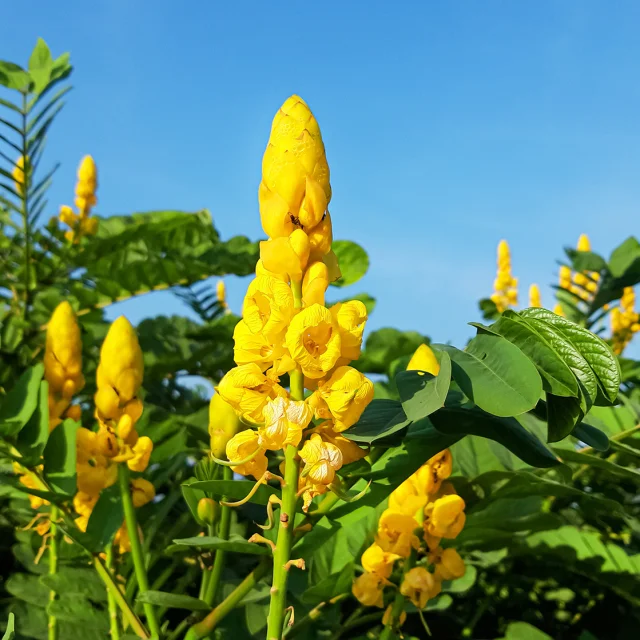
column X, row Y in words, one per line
column 286, row 327
column 505, row 286
column 118, row 408
column 424, row 508
column 625, row 321
column 535, row 299
column 221, row 295
column 81, row 224
column 585, row 284
column 63, row 364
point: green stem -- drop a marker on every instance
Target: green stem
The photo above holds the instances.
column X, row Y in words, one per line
column 53, row 568
column 25, row 209
column 399, row 602
column 223, row 533
column 113, row 605
column 284, row 540
column 136, row 547
column 203, row 628
column 114, row 590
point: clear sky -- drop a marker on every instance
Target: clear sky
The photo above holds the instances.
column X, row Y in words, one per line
column 448, row 125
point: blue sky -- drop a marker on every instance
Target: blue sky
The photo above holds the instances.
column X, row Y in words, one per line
column 448, row 126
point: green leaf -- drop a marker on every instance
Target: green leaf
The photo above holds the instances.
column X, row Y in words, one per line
column 585, row 260
column 13, row 76
column 76, row 582
column 79, row 611
column 625, row 258
column 192, row 497
column 18, row 406
column 380, row 419
column 40, row 65
column 60, row 457
column 598, row 463
column 461, row 585
column 172, row 601
column 457, row 421
column 106, row 518
column 28, row 588
column 595, row 351
column 495, row 375
column 353, row 261
column 235, row 544
column 562, row 416
column 33, row 437
column 595, row 438
column 9, row 632
column 422, row 393
column 557, row 377
column 331, row 586
column 234, row 490
column 524, row 631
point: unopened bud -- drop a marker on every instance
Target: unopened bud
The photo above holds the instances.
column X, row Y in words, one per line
column 208, row 510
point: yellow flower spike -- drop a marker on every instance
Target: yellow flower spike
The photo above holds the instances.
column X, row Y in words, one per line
column 321, row 459
column 223, row 425
column 505, row 286
column 315, row 284
column 246, row 445
column 350, row 317
column 419, row 586
column 343, row 396
column 313, row 340
column 584, row 244
column 221, row 292
column 295, row 189
column 558, row 310
column 535, row 299
column 286, row 255
column 367, row 589
column 387, row 617
column 268, row 307
column 141, row 452
column 350, row 451
column 18, row 173
column 445, row 516
column 375, row 560
column 424, row 360
column 396, row 533
column 62, row 360
column 120, row 372
column 142, row 492
column 450, row 565
column 248, row 390
column 284, row 421
column 625, row 321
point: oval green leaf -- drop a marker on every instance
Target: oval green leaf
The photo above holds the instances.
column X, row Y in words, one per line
column 235, row 544
column 173, row 601
column 380, row 419
column 353, row 261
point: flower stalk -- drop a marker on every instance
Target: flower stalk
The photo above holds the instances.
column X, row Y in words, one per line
column 114, row 629
column 136, row 547
column 52, row 624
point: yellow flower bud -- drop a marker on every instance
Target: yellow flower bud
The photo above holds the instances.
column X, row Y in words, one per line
column 350, row 317
column 367, row 589
column 221, row 292
column 344, row 396
column 450, row 565
column 396, row 533
column 321, row 459
column 424, row 360
column 247, row 390
column 445, row 517
column 295, row 189
column 141, row 454
column 284, row 421
column 142, row 492
column 286, row 255
column 244, row 445
column 208, row 510
column 63, row 351
column 419, row 586
column 313, row 340
column 375, row 560
column 583, row 243
column 315, row 284
column 223, row 425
